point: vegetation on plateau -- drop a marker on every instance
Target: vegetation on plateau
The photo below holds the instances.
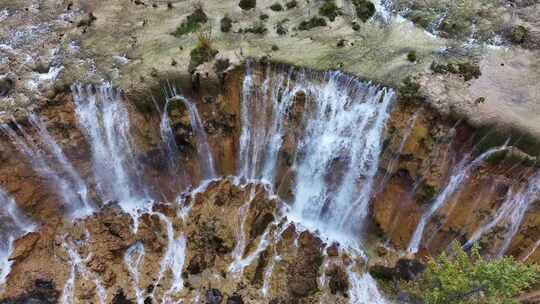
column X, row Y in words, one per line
column 192, row 23
column 461, row 278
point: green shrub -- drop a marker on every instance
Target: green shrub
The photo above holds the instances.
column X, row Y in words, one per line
column 226, row 24
column 365, row 9
column 247, row 4
column 276, row 7
column 411, row 56
column 466, row 69
column 311, row 23
column 519, row 34
column 192, row 23
column 257, row 28
column 465, row 279
column 409, row 91
column 469, row 70
column 329, row 10
column 291, row 4
column 203, row 52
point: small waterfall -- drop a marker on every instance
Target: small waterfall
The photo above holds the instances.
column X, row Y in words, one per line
column 336, row 157
column 133, row 259
column 78, row 267
column 395, row 158
column 531, row 251
column 520, row 203
column 173, row 259
column 69, row 185
column 104, row 120
column 363, row 289
column 167, row 136
column 203, row 147
column 265, row 112
column 13, row 224
column 238, row 251
column 460, row 175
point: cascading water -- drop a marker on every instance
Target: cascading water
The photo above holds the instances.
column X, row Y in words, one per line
column 104, row 119
column 345, row 119
column 173, row 258
column 58, row 170
column 363, row 289
column 521, row 202
column 13, row 224
column 169, row 143
column 203, row 148
column 134, row 259
column 78, row 268
column 460, row 175
column 511, row 212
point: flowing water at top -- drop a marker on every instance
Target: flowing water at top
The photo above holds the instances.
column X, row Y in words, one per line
column 336, row 157
column 104, row 119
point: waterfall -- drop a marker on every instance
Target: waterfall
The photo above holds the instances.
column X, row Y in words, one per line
column 520, row 204
column 78, row 266
column 511, row 211
column 169, row 143
column 13, row 224
column 58, row 170
column 133, row 259
column 104, row 120
column 363, row 289
column 460, row 175
column 173, row 259
column 264, row 113
column 345, row 120
column 395, row 157
column 531, row 251
column 203, row 147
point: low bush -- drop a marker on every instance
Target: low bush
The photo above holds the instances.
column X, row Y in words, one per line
column 311, row 23
column 192, row 23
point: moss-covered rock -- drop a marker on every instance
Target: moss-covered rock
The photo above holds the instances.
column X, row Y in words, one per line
column 365, row 9
column 338, row 280
column 307, row 25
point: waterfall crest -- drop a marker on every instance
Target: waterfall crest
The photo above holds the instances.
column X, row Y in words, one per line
column 104, row 120
column 337, row 155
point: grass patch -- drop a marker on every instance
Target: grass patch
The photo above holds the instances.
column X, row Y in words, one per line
column 192, row 23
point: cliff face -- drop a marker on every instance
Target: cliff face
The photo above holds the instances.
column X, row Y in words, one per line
column 235, row 240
